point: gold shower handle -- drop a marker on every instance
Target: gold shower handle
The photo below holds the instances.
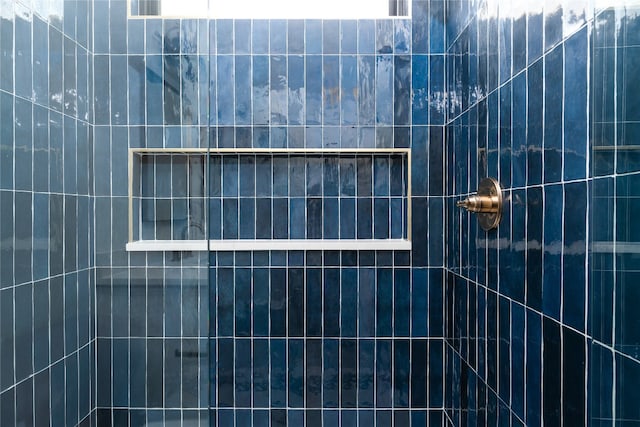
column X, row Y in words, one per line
column 487, row 203
column 480, row 204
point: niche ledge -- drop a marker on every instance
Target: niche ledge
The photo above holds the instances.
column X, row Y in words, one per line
column 179, row 195
column 270, row 245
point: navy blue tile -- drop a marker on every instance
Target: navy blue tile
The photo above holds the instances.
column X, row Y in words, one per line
column 277, row 303
column 366, row 89
column 553, row 205
column 552, row 371
column 602, row 371
column 574, row 376
column 553, row 116
column 575, row 112
column 23, row 237
column 534, row 123
column 383, row 374
column 384, row 94
column 366, row 352
column 535, row 214
column 23, row 146
column 313, row 373
column 402, row 302
column 331, row 300
column 330, row 373
column 384, row 302
column 225, row 375
column 261, row 373
column 22, row 51
column 401, row 376
column 419, row 303
column 24, row 403
column 534, row 367
column 6, row 48
column 574, row 275
column 6, row 142
column 348, row 380
column 153, row 90
column 243, row 373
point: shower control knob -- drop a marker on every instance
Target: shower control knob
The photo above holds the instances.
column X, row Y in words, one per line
column 487, row 203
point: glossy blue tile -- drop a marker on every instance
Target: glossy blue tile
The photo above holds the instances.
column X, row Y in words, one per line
column 401, row 377
column 313, row 36
column 384, row 36
column 7, row 142
column 384, row 93
column 534, row 122
column 420, row 89
column 330, row 373
column 402, row 303
column 153, row 90
column 574, row 275
column 402, row 90
column 553, row 16
column 22, row 50
column 505, row 43
column 224, row 36
column 330, row 90
column 225, row 375
column 23, row 146
column 384, row 302
column 7, row 403
column 383, row 375
column 278, row 36
column 552, row 368
column 260, row 36
column 575, row 111
column 366, row 36
column 627, row 65
column 552, row 116
column 40, row 61
column 277, row 303
column 331, row 298
column 553, row 203
column 519, row 42
column 260, row 374
column 117, row 26
column 436, row 82
column 331, row 37
column 535, row 33
column 296, row 303
column 402, row 36
column 574, row 373
column 314, row 90
column 601, row 362
column 437, row 27
column 6, row 48
column 366, row 89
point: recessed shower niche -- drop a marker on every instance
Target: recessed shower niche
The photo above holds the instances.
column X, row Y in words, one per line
column 262, row 199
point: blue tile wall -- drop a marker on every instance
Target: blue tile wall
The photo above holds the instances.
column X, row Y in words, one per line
column 271, row 338
column 615, row 168
column 518, row 81
column 47, row 338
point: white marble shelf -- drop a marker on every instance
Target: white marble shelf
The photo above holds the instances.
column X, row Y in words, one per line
column 269, row 245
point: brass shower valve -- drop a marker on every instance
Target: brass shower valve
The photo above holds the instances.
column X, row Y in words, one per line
column 487, row 203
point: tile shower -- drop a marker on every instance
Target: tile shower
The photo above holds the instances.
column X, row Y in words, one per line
column 530, row 323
